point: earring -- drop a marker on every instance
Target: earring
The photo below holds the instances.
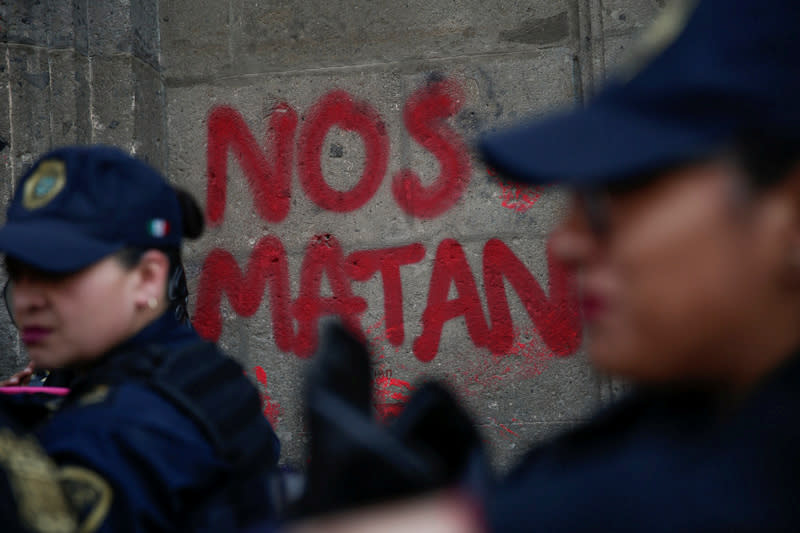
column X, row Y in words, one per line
column 152, row 302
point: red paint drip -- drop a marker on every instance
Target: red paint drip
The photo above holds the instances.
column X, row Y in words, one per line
column 519, row 198
column 516, row 197
column 389, row 394
column 272, row 410
column 486, row 373
column 503, row 430
column 508, row 430
column 396, row 390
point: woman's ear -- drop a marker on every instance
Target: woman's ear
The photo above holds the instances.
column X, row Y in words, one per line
column 790, row 188
column 151, row 284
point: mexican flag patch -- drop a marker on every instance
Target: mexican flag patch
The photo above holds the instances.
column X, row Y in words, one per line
column 158, row 227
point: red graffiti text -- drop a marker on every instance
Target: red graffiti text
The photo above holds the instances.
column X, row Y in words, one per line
column 291, row 144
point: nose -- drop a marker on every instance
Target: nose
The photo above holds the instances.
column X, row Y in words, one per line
column 575, row 241
column 24, row 295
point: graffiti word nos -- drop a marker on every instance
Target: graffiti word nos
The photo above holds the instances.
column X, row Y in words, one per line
column 269, row 173
column 295, row 321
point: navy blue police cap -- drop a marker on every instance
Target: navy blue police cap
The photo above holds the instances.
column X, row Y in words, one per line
column 717, row 71
column 76, row 205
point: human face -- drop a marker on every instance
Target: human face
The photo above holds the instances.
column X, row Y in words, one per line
column 678, row 276
column 72, row 319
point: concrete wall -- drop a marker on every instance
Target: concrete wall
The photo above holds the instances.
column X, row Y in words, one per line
column 331, row 144
column 310, row 116
column 76, row 71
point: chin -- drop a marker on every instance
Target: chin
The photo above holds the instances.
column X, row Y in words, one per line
column 613, row 360
column 605, row 363
column 641, row 367
column 42, row 358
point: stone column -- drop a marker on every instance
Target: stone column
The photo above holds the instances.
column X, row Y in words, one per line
column 76, row 72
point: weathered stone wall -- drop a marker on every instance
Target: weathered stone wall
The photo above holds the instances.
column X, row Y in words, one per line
column 76, row 71
column 310, row 117
column 331, row 144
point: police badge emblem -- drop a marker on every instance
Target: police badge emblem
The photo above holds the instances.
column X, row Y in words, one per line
column 658, row 36
column 44, row 184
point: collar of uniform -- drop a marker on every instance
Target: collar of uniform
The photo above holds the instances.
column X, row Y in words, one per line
column 165, row 331
column 784, row 379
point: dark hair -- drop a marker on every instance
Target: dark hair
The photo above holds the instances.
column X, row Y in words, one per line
column 192, row 223
column 192, row 219
column 766, row 159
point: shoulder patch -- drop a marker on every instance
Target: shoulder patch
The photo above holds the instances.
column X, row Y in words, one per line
column 90, row 495
column 96, row 394
column 44, row 184
column 34, row 481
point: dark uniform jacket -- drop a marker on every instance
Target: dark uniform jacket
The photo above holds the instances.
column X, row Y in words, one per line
column 31, row 496
column 165, row 433
column 666, row 460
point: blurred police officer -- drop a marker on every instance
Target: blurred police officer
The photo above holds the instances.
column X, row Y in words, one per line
column 684, row 231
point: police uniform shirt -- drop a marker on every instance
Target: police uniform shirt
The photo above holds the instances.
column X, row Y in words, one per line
column 666, row 460
column 135, row 460
column 31, row 496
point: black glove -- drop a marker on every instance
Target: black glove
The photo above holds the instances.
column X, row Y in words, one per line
column 355, row 460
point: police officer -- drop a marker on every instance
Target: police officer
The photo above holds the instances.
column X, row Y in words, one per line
column 684, row 231
column 160, row 431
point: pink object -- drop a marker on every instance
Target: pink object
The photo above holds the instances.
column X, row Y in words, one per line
column 55, row 391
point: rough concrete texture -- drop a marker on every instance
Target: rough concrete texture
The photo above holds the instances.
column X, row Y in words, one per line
column 331, row 144
column 331, row 103
column 76, row 71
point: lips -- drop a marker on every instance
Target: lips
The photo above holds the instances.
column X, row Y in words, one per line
column 592, row 306
column 34, row 334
